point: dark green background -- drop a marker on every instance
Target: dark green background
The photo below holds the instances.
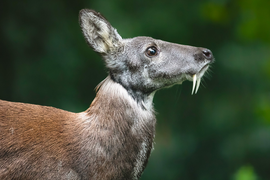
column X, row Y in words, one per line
column 222, row 133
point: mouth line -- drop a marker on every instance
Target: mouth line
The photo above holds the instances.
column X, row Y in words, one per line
column 204, row 68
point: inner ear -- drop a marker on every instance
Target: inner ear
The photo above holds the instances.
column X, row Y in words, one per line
column 98, row 32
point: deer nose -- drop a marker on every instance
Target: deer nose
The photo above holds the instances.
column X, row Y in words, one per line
column 207, row 54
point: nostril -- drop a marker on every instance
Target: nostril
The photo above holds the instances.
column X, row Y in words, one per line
column 207, row 54
column 204, row 54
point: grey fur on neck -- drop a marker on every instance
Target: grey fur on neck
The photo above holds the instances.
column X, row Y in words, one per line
column 119, row 117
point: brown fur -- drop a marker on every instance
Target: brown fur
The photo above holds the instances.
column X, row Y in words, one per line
column 39, row 142
column 113, row 138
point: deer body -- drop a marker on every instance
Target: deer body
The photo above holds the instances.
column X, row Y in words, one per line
column 65, row 145
column 113, row 138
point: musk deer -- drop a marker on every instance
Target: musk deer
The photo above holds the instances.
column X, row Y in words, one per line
column 113, row 138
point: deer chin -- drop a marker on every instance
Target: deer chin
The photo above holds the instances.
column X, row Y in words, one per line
column 196, row 78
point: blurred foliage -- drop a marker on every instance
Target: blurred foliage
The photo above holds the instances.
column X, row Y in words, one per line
column 208, row 136
column 245, row 173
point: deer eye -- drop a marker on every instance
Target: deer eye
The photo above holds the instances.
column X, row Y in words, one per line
column 151, row 51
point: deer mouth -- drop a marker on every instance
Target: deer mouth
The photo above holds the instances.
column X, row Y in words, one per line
column 196, row 78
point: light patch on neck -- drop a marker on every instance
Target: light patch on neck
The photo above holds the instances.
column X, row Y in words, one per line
column 112, row 89
column 148, row 103
column 85, row 118
column 140, row 160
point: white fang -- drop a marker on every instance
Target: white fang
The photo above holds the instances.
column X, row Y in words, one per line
column 198, row 85
column 194, row 83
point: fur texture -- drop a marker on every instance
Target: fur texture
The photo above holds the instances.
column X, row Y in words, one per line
column 113, row 138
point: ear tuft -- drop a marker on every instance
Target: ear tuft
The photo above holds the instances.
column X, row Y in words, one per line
column 98, row 32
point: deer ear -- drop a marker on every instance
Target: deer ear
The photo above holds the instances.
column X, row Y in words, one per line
column 98, row 32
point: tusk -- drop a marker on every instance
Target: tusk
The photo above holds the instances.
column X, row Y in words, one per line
column 198, row 85
column 194, row 83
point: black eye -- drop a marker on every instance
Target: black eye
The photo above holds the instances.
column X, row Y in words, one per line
column 151, row 51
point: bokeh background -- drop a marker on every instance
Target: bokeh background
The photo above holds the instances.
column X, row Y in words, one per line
column 222, row 133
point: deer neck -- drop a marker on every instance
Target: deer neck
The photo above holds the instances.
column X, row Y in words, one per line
column 114, row 106
column 117, row 128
